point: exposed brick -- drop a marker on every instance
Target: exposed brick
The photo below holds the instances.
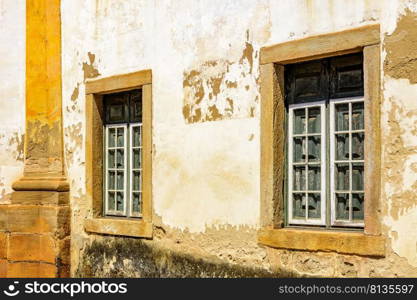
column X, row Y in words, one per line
column 31, row 270
column 32, row 247
column 3, row 245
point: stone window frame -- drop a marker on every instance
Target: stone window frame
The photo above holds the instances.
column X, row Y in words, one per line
column 370, row 242
column 94, row 91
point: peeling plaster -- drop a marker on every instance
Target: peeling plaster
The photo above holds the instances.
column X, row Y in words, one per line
column 89, row 69
column 401, row 48
column 399, row 135
column 214, row 90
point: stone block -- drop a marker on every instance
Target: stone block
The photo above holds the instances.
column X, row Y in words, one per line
column 31, row 270
column 32, row 247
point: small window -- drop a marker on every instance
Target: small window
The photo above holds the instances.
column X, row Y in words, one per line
column 325, row 171
column 123, row 154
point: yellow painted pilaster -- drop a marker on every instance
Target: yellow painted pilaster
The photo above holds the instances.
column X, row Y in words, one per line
column 44, row 161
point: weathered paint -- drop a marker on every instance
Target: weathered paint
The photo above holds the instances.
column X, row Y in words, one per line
column 204, row 58
column 399, row 137
column 205, row 64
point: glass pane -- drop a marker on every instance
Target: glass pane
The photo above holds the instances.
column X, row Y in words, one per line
column 358, row 145
column 342, row 117
column 358, row 116
column 136, row 202
column 342, row 177
column 120, row 181
column 136, row 136
column 120, row 159
column 314, row 122
column 342, row 206
column 111, row 159
column 120, row 201
column 116, row 112
column 120, row 137
column 314, row 179
column 136, row 158
column 299, row 149
column 314, row 206
column 357, row 206
column 299, row 205
column 110, row 203
column 299, row 121
column 299, row 178
column 112, row 137
column 111, row 180
column 342, row 146
column 357, row 177
column 314, row 148
column 136, row 181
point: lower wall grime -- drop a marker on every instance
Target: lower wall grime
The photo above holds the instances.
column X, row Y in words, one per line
column 128, row 257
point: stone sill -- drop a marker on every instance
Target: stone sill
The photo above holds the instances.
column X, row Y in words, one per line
column 326, row 241
column 132, row 228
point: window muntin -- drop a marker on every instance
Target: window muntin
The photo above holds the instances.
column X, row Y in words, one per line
column 347, row 136
column 335, row 85
column 307, row 167
column 123, row 154
column 116, row 166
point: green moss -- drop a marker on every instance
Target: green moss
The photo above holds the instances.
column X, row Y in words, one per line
column 148, row 261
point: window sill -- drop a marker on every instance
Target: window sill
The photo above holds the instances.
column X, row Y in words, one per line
column 133, row 228
column 326, row 241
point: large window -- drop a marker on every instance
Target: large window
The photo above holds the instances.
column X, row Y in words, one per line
column 123, row 154
column 325, row 170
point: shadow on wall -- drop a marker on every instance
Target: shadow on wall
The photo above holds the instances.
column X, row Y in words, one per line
column 136, row 258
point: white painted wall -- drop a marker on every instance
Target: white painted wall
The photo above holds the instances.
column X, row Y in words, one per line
column 207, row 174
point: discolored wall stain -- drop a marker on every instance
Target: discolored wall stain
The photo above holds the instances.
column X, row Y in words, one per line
column 401, row 48
column 89, row 69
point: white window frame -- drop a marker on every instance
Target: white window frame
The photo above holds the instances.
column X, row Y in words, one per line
column 323, row 202
column 132, row 169
column 106, row 169
column 332, row 103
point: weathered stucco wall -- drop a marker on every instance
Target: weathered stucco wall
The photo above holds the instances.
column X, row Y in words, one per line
column 204, row 56
column 12, row 94
column 399, row 135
